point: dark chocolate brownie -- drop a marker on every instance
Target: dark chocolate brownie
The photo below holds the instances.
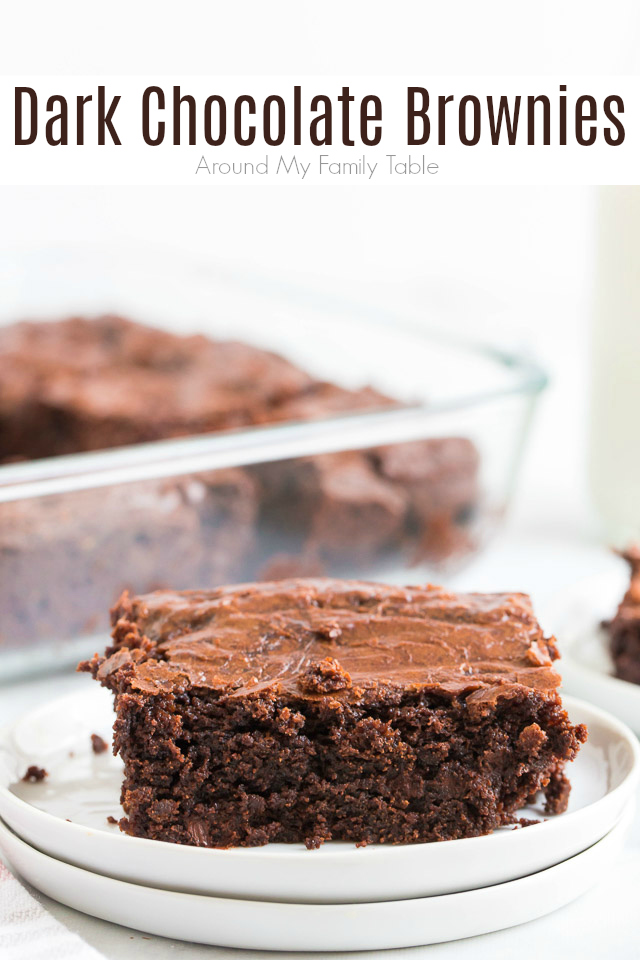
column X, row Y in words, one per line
column 624, row 629
column 313, row 710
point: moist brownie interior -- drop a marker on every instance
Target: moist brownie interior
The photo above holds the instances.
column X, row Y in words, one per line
column 314, row 710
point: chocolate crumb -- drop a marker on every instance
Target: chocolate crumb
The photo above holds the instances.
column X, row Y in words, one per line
column 559, row 788
column 524, row 822
column 35, row 775
column 313, row 843
column 111, row 820
column 98, row 745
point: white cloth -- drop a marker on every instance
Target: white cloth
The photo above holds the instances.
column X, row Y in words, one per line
column 28, row 932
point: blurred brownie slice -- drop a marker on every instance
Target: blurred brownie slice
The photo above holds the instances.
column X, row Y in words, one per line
column 624, row 629
column 314, row 710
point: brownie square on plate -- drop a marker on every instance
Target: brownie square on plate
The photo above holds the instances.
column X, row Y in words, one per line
column 313, row 710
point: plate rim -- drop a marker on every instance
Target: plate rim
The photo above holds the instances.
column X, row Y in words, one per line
column 384, row 914
column 622, row 824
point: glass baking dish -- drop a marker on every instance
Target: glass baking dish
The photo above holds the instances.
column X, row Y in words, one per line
column 404, row 494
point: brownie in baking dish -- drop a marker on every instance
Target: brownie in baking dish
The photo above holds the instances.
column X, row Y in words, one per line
column 314, row 710
column 624, row 629
column 414, row 499
column 79, row 385
column 64, row 558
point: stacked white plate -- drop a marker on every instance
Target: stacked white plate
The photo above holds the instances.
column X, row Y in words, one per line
column 284, row 897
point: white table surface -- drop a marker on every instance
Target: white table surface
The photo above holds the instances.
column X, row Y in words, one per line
column 604, row 922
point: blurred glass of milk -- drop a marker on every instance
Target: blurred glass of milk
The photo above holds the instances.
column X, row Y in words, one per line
column 615, row 386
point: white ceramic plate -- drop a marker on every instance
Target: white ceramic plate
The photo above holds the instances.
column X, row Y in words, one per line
column 256, row 925
column 85, row 788
column 575, row 617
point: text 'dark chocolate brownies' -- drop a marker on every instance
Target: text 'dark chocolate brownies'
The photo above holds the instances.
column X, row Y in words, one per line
column 315, row 710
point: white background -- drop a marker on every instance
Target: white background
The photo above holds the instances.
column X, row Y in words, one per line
column 357, row 36
column 515, row 262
